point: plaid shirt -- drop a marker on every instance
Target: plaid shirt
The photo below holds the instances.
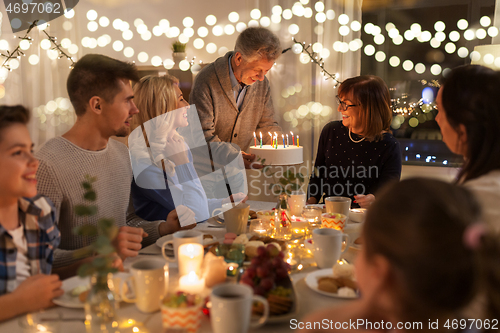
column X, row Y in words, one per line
column 37, row 216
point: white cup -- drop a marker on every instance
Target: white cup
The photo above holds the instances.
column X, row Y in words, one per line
column 340, row 205
column 297, row 201
column 150, row 282
column 236, row 218
column 179, row 238
column 225, row 207
column 327, row 245
column 232, row 308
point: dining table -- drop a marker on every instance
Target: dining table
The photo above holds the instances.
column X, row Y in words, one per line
column 308, row 301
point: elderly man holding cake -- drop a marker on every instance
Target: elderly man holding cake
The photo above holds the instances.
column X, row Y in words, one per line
column 233, row 96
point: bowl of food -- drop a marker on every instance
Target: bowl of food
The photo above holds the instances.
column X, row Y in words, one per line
column 357, row 215
column 333, row 221
column 266, row 215
column 182, row 311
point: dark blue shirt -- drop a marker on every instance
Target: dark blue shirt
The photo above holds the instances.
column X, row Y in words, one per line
column 346, row 168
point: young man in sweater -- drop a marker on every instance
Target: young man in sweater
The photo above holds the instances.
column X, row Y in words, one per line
column 100, row 90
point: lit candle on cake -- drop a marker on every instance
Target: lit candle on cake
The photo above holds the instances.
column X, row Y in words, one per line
column 293, row 139
column 283, row 137
column 272, row 144
column 287, row 141
column 254, row 139
column 260, row 139
column 297, row 140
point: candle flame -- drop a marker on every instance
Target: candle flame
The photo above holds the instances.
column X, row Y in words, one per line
column 41, row 328
column 254, row 134
column 261, row 135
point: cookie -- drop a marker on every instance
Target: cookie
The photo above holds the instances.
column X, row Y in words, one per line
column 346, row 282
column 328, row 284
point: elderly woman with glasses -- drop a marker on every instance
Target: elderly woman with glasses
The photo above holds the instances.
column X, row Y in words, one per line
column 358, row 154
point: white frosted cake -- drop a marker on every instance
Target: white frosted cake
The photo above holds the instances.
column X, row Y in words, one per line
column 290, row 155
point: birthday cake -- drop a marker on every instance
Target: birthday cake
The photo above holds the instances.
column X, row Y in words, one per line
column 290, row 155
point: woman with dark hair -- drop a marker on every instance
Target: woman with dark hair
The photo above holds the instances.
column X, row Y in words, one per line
column 425, row 256
column 357, row 155
column 469, row 118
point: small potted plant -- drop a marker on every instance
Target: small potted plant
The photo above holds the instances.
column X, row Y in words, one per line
column 179, row 52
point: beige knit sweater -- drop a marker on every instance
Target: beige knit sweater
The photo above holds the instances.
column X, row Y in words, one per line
column 63, row 166
column 219, row 116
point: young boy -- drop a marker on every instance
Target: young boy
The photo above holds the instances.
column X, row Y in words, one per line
column 28, row 234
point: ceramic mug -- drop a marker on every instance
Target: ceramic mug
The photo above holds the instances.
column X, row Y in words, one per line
column 236, row 218
column 341, row 205
column 296, row 201
column 231, row 309
column 150, row 282
column 225, row 207
column 327, row 246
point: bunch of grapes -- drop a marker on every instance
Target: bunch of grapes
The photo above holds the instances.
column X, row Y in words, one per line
column 266, row 270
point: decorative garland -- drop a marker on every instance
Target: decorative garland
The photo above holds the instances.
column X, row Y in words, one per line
column 57, row 47
column 320, row 62
column 17, row 53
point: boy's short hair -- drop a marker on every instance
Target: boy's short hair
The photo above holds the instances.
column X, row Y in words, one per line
column 97, row 75
column 9, row 115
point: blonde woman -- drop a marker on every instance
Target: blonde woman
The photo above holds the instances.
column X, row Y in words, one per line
column 164, row 175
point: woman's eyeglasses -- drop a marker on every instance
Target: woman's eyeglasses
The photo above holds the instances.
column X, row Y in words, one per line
column 343, row 105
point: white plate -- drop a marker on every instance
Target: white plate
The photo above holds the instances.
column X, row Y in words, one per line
column 160, row 241
column 69, row 301
column 216, row 222
column 312, row 282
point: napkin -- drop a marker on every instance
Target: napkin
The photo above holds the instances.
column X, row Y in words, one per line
column 186, row 216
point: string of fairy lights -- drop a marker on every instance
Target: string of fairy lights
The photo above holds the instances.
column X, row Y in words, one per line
column 319, row 61
column 25, row 43
column 317, row 53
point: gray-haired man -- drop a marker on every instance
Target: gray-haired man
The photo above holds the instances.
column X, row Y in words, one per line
column 233, row 96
